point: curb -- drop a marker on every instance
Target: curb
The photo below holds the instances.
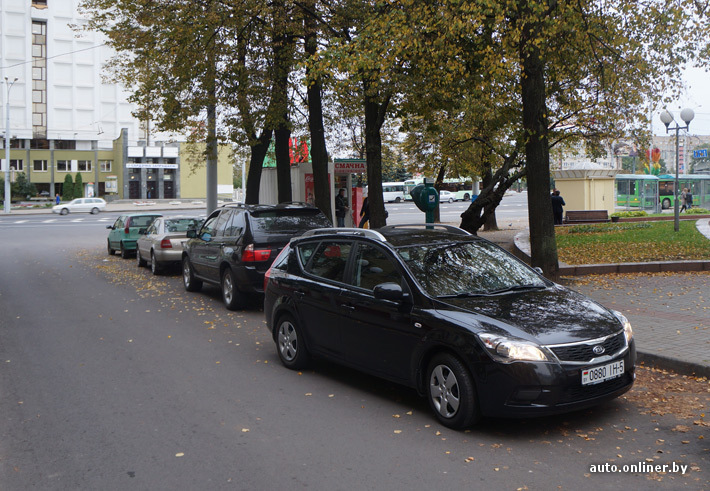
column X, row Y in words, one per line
column 680, row 367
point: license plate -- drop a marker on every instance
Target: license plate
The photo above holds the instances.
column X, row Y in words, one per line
column 597, row 375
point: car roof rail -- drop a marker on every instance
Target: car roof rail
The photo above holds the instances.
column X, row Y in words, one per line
column 300, row 203
column 361, row 232
column 427, row 226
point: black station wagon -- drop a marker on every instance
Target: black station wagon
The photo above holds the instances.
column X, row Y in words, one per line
column 237, row 243
column 465, row 323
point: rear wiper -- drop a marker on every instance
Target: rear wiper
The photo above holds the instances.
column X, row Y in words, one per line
column 517, row 288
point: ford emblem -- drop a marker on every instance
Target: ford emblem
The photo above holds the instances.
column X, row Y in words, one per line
column 598, row 349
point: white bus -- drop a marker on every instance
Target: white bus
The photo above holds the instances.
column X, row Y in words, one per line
column 393, row 191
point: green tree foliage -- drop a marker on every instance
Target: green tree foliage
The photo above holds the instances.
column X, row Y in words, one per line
column 78, row 186
column 68, row 188
column 22, row 187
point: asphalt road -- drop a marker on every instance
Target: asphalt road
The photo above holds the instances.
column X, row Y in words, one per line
column 111, row 378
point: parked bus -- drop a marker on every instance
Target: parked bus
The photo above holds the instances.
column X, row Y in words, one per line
column 649, row 192
column 698, row 184
column 462, row 188
column 393, row 191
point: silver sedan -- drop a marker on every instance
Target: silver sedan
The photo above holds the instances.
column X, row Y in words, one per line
column 161, row 243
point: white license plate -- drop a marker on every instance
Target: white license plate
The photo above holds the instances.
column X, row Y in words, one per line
column 596, row 375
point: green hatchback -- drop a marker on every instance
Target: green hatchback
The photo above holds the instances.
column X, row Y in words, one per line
column 125, row 231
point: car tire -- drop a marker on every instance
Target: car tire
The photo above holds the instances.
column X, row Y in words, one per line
column 94, row 211
column 139, row 259
column 397, row 199
column 451, row 392
column 451, row 200
column 188, row 277
column 111, row 250
column 125, row 253
column 289, row 344
column 154, row 266
column 466, row 197
column 232, row 297
column 65, row 211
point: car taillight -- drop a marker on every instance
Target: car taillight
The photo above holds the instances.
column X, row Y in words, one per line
column 266, row 278
column 127, row 230
column 166, row 244
column 251, row 255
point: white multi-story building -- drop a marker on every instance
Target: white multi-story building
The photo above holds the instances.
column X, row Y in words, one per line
column 59, row 94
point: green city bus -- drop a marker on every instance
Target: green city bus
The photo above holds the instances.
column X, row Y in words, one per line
column 653, row 192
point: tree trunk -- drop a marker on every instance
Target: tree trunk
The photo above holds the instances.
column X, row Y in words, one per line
column 374, row 117
column 282, row 48
column 319, row 151
column 542, row 230
column 438, row 181
column 491, row 223
column 256, row 163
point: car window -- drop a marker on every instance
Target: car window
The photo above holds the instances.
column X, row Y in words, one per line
column 182, row 224
column 305, row 252
column 119, row 222
column 209, row 226
column 466, row 267
column 236, row 225
column 330, row 259
column 287, row 221
column 221, row 222
column 373, row 267
column 142, row 221
column 154, row 227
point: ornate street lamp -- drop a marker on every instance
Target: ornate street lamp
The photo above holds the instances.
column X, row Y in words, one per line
column 687, row 116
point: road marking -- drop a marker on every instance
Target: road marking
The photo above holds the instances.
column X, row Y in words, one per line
column 50, row 221
column 21, row 221
column 78, row 220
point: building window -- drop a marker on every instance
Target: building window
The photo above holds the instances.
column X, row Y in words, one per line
column 39, row 77
column 105, row 165
column 65, row 144
column 17, row 165
column 39, row 166
column 85, row 166
column 39, row 3
column 63, row 165
column 39, row 144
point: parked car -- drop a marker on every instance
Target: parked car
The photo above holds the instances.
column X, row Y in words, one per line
column 465, row 323
column 125, row 232
column 237, row 244
column 80, row 205
column 446, row 196
column 161, row 243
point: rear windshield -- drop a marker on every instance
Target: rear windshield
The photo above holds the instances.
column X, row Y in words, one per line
column 141, row 221
column 182, row 224
column 287, row 221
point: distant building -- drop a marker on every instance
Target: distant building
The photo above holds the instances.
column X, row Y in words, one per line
column 65, row 119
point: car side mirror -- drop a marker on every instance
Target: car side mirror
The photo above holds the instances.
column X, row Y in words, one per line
column 110, row 227
column 191, row 233
column 142, row 231
column 389, row 291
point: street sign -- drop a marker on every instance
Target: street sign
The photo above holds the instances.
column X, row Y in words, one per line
column 700, row 154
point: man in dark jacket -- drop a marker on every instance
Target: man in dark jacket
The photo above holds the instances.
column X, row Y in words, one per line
column 557, row 204
column 341, row 207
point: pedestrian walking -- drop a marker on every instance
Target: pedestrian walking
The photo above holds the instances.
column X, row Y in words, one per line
column 557, row 203
column 365, row 213
column 683, row 199
column 57, row 199
column 689, row 199
column 341, row 207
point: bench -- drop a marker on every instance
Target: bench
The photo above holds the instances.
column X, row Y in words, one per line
column 586, row 216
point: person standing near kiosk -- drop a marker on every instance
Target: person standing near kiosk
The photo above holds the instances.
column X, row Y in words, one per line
column 341, row 207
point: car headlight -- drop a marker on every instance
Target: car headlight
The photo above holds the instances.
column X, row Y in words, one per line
column 508, row 350
column 628, row 332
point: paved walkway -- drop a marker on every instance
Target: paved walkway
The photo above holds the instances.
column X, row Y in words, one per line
column 667, row 303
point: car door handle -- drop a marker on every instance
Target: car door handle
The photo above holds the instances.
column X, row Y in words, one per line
column 347, row 306
column 300, row 293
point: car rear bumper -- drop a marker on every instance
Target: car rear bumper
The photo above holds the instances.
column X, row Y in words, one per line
column 540, row 389
column 168, row 255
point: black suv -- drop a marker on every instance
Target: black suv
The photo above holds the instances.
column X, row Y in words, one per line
column 471, row 327
column 237, row 243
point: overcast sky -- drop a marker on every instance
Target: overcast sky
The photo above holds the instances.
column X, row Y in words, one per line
column 697, row 98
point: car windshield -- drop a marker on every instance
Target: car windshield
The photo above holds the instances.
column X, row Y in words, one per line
column 467, row 268
column 182, row 224
column 287, row 221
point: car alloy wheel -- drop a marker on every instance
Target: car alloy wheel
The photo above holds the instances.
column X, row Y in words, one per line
column 64, row 211
column 451, row 392
column 289, row 343
column 154, row 266
column 125, row 254
column 94, row 211
column 232, row 297
column 188, row 277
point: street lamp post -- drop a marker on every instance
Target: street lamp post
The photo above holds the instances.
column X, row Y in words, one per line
column 687, row 116
column 7, row 144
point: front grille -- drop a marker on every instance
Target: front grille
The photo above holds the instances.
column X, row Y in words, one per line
column 581, row 393
column 582, row 352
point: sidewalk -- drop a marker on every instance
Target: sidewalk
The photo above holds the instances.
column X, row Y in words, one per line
column 668, row 313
